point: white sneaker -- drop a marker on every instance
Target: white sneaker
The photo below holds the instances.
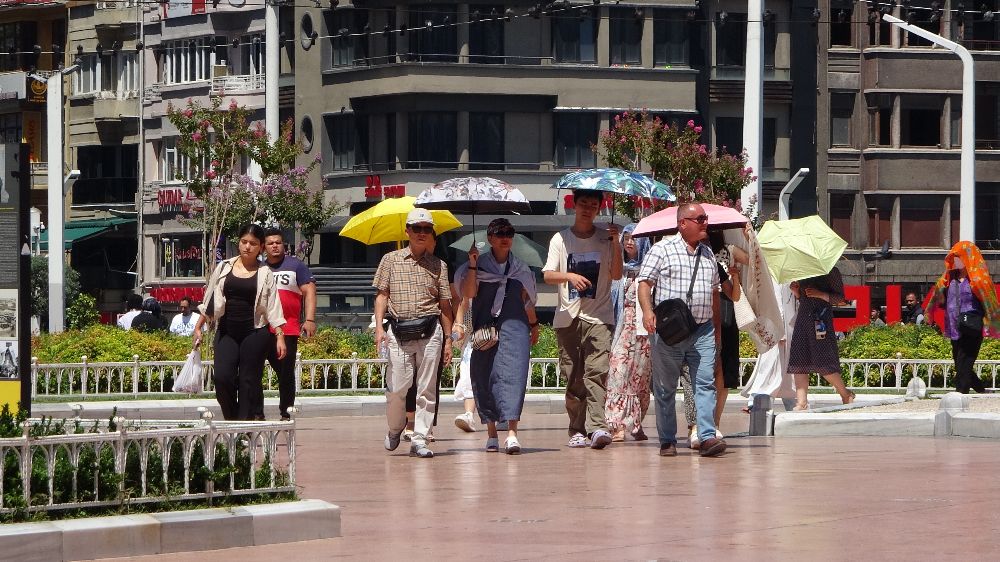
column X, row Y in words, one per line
column 693, row 439
column 718, row 434
column 464, row 422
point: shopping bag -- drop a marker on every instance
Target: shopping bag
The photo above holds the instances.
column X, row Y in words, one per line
column 189, row 381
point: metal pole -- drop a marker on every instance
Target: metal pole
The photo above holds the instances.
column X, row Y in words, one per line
column 784, row 198
column 56, row 202
column 272, row 68
column 967, row 198
column 753, row 104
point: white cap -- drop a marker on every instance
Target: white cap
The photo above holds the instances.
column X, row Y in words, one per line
column 418, row 215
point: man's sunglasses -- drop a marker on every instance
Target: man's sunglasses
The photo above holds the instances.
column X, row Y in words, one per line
column 417, row 229
column 504, row 233
column 700, row 219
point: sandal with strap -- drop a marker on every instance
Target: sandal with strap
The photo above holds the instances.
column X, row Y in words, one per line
column 492, row 445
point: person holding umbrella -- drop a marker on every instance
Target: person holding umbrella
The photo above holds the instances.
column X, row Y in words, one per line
column 583, row 260
column 503, row 295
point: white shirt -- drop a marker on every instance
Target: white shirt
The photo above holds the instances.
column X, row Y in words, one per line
column 183, row 327
column 125, row 320
column 591, row 257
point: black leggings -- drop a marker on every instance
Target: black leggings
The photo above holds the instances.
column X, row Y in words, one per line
column 285, row 369
column 239, row 367
column 964, row 351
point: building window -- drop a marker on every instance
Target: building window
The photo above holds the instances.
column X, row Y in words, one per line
column 987, row 215
column 879, row 119
column 188, row 60
column 439, row 44
column 987, row 116
column 841, row 27
column 921, row 120
column 978, row 34
column 729, row 138
column 626, row 36
column 730, row 39
column 433, row 139
column 575, row 39
column 920, row 221
column 925, row 19
column 575, row 133
column 347, row 50
column 87, row 80
column 252, row 55
column 10, row 128
column 17, row 40
column 841, row 111
column 107, row 174
column 671, row 38
column 486, row 141
column 174, row 166
column 841, row 209
column 879, row 31
column 180, row 255
column 486, row 37
column 879, row 219
column 341, row 142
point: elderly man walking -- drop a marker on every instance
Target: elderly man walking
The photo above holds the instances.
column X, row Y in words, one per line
column 684, row 267
column 413, row 290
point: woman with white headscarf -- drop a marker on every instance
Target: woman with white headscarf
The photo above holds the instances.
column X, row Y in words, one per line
column 629, row 375
column 502, row 289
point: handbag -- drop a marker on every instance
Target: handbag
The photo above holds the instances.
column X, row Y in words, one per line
column 415, row 329
column 674, row 321
column 971, row 323
column 189, row 380
column 485, row 337
column 745, row 315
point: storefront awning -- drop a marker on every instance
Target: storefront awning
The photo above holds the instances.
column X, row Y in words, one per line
column 79, row 230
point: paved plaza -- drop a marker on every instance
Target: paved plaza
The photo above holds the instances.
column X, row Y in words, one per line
column 859, row 498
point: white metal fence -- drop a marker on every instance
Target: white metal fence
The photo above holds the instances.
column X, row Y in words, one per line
column 136, row 378
column 93, row 463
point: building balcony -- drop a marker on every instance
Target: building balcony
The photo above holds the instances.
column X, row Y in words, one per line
column 236, row 85
column 116, row 107
column 912, row 169
column 580, row 86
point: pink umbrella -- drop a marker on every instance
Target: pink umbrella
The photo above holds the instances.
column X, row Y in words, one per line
column 665, row 221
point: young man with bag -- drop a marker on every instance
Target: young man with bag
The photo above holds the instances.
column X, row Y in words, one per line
column 413, row 293
column 583, row 260
column 683, row 271
column 297, row 292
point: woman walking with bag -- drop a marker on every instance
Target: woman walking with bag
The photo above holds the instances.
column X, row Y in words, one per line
column 242, row 301
column 967, row 292
column 629, row 375
column 504, row 327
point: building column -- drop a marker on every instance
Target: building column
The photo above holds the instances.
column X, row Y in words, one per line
column 859, row 222
column 604, row 39
column 402, row 41
column 647, row 46
column 894, row 221
column 463, row 33
column 946, row 123
column 402, row 136
column 463, row 140
column 896, row 122
column 946, row 220
column 546, row 128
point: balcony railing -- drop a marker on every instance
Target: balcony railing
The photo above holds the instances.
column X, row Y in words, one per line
column 241, row 84
column 739, row 73
column 981, row 44
column 115, row 4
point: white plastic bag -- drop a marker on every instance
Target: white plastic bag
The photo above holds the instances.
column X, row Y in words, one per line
column 189, row 380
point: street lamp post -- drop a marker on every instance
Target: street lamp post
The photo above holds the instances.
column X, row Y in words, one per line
column 967, row 193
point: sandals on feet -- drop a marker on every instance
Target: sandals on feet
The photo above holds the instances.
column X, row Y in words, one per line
column 492, row 445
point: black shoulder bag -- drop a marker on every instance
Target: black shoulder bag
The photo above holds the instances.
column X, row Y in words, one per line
column 674, row 321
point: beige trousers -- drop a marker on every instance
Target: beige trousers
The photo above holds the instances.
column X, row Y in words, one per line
column 406, row 358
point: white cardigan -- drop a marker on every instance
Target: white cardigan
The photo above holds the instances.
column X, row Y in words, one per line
column 267, row 305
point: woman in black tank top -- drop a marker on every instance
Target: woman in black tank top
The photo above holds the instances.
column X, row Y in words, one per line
column 240, row 346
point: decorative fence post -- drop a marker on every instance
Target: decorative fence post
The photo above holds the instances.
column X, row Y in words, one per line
column 298, row 371
column 83, row 376
column 899, row 370
column 34, row 377
column 354, row 370
column 135, row 375
column 26, row 465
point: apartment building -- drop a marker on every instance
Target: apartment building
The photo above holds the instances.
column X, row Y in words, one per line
column 408, row 94
column 889, row 123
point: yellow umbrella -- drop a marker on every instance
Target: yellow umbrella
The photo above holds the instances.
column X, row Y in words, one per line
column 386, row 222
column 798, row 249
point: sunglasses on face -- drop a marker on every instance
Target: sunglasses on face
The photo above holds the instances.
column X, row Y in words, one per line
column 504, row 233
column 700, row 219
column 417, row 229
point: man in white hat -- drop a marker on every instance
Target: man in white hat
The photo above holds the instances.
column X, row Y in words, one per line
column 413, row 294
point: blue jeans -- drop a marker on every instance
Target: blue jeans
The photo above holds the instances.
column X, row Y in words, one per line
column 698, row 351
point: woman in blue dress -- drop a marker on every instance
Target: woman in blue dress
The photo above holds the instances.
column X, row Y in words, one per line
column 502, row 289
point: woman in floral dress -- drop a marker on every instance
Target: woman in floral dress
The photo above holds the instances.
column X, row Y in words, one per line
column 628, row 379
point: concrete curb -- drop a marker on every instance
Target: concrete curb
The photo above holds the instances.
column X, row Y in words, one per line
column 176, row 531
column 952, row 419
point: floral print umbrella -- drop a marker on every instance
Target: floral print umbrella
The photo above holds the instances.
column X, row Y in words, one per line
column 473, row 195
column 614, row 180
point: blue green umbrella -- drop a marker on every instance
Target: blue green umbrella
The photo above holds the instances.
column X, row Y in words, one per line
column 614, row 180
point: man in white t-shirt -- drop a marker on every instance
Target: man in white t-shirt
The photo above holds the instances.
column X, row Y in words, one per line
column 183, row 323
column 583, row 260
column 134, row 304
